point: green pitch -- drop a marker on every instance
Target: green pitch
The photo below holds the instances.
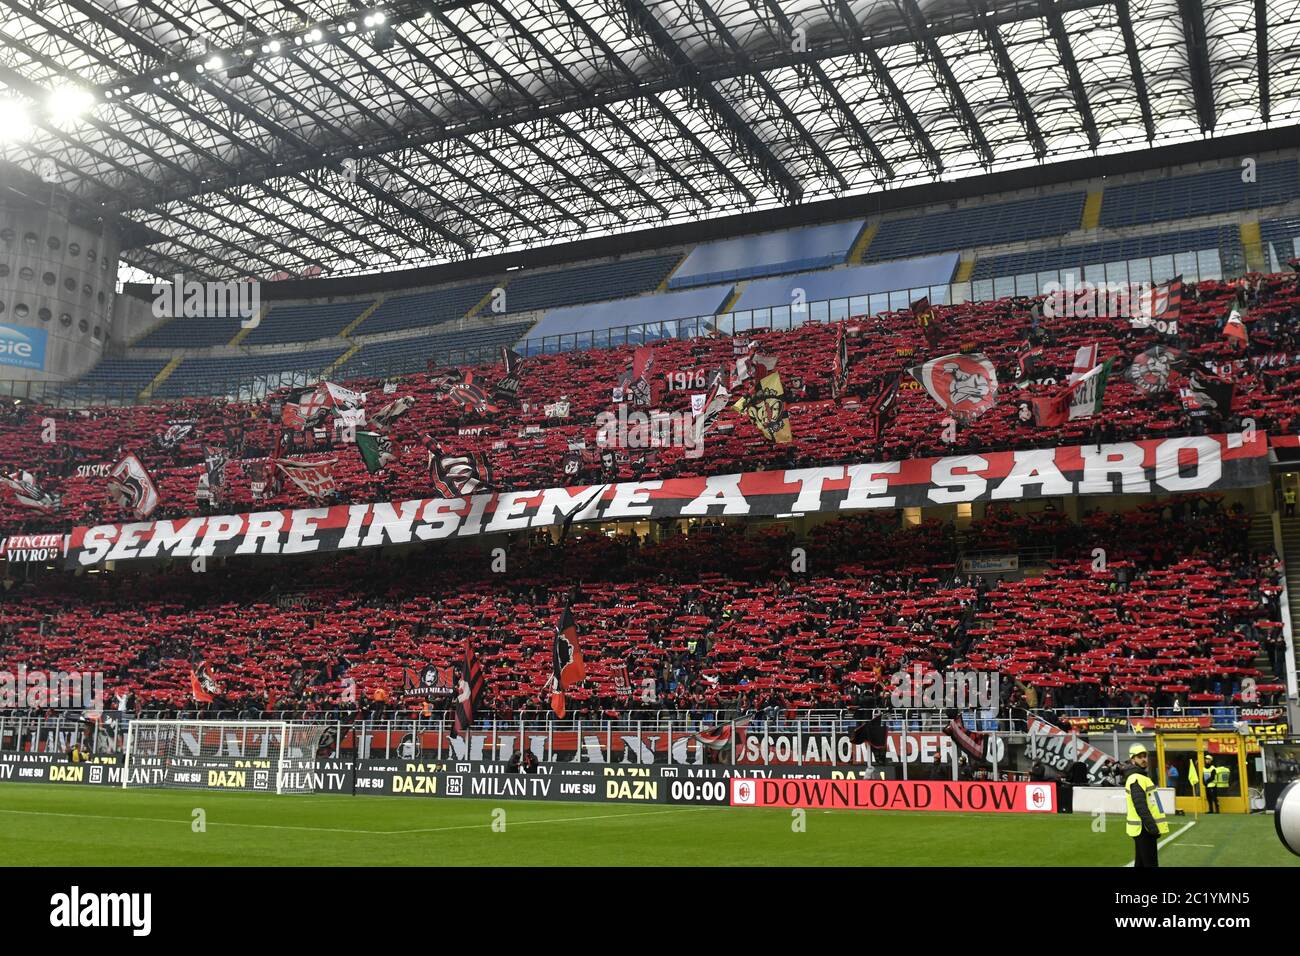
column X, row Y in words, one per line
column 75, row 826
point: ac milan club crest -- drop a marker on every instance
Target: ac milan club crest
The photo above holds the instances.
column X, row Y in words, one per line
column 965, row 386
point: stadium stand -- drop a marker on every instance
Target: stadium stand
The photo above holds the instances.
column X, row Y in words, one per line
column 211, row 376
column 1211, row 239
column 824, row 431
column 854, row 281
column 972, row 226
column 656, row 310
column 713, row 619
column 303, row 323
column 118, row 377
column 412, row 354
column 749, row 257
column 422, row 309
column 190, row 333
column 594, row 283
column 1200, row 194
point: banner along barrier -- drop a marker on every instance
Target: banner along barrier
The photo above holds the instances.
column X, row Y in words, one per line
column 977, row 796
column 1156, row 466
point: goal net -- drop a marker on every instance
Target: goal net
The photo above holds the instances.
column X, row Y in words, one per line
column 262, row 755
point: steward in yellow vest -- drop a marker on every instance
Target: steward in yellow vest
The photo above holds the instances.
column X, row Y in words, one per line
column 1145, row 821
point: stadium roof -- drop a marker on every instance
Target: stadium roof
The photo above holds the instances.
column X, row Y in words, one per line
column 251, row 137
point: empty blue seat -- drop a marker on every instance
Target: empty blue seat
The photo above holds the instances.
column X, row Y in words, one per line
column 303, row 323
column 420, row 309
column 980, row 225
column 1199, row 194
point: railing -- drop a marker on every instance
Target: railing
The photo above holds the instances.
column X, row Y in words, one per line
column 1192, row 266
column 382, row 737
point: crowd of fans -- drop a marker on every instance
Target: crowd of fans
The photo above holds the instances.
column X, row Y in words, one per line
column 67, row 450
column 1177, row 609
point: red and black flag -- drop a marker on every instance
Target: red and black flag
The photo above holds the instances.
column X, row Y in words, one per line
column 840, row 363
column 455, row 476
column 567, row 667
column 203, row 686
column 507, row 388
column 884, row 405
column 469, row 692
column 930, row 325
column 471, row 395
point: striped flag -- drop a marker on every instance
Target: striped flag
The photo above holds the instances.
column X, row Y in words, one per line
column 471, row 689
column 1085, row 360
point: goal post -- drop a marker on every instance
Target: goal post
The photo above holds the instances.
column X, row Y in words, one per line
column 258, row 755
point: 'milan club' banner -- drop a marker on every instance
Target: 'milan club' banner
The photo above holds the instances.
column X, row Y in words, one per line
column 1160, row 466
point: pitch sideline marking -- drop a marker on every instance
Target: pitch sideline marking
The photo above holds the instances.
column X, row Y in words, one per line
column 1171, row 838
column 274, row 826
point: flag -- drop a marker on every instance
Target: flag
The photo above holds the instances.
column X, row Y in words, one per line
column 923, row 313
column 339, row 397
column 567, row 666
column 470, row 394
column 965, row 386
column 1150, row 370
column 1082, row 399
column 391, row 412
column 507, row 388
column 304, row 407
column 131, row 487
column 455, row 476
column 1234, row 328
column 469, row 692
column 203, row 686
column 751, row 362
column 717, row 400
column 1160, row 307
column 1206, row 391
column 429, row 681
column 26, row 492
column 884, row 405
column 1027, row 361
column 316, row 478
column 840, row 363
column 215, row 458
column 376, row 450
column 719, row 736
column 176, row 432
column 766, row 409
column 1085, row 360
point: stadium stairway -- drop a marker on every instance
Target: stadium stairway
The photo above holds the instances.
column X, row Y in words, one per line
column 147, row 392
column 1253, row 247
column 1261, row 539
column 1291, row 562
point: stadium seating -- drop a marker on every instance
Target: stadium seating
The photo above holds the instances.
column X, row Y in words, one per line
column 825, row 431
column 190, row 333
column 712, row 620
column 1116, row 250
column 211, row 376
column 971, row 226
column 381, row 359
column 303, row 323
column 423, row 309
column 124, row 378
column 1200, row 194
column 595, row 283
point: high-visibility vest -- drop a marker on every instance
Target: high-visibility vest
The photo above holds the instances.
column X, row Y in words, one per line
column 1221, row 775
column 1133, row 822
